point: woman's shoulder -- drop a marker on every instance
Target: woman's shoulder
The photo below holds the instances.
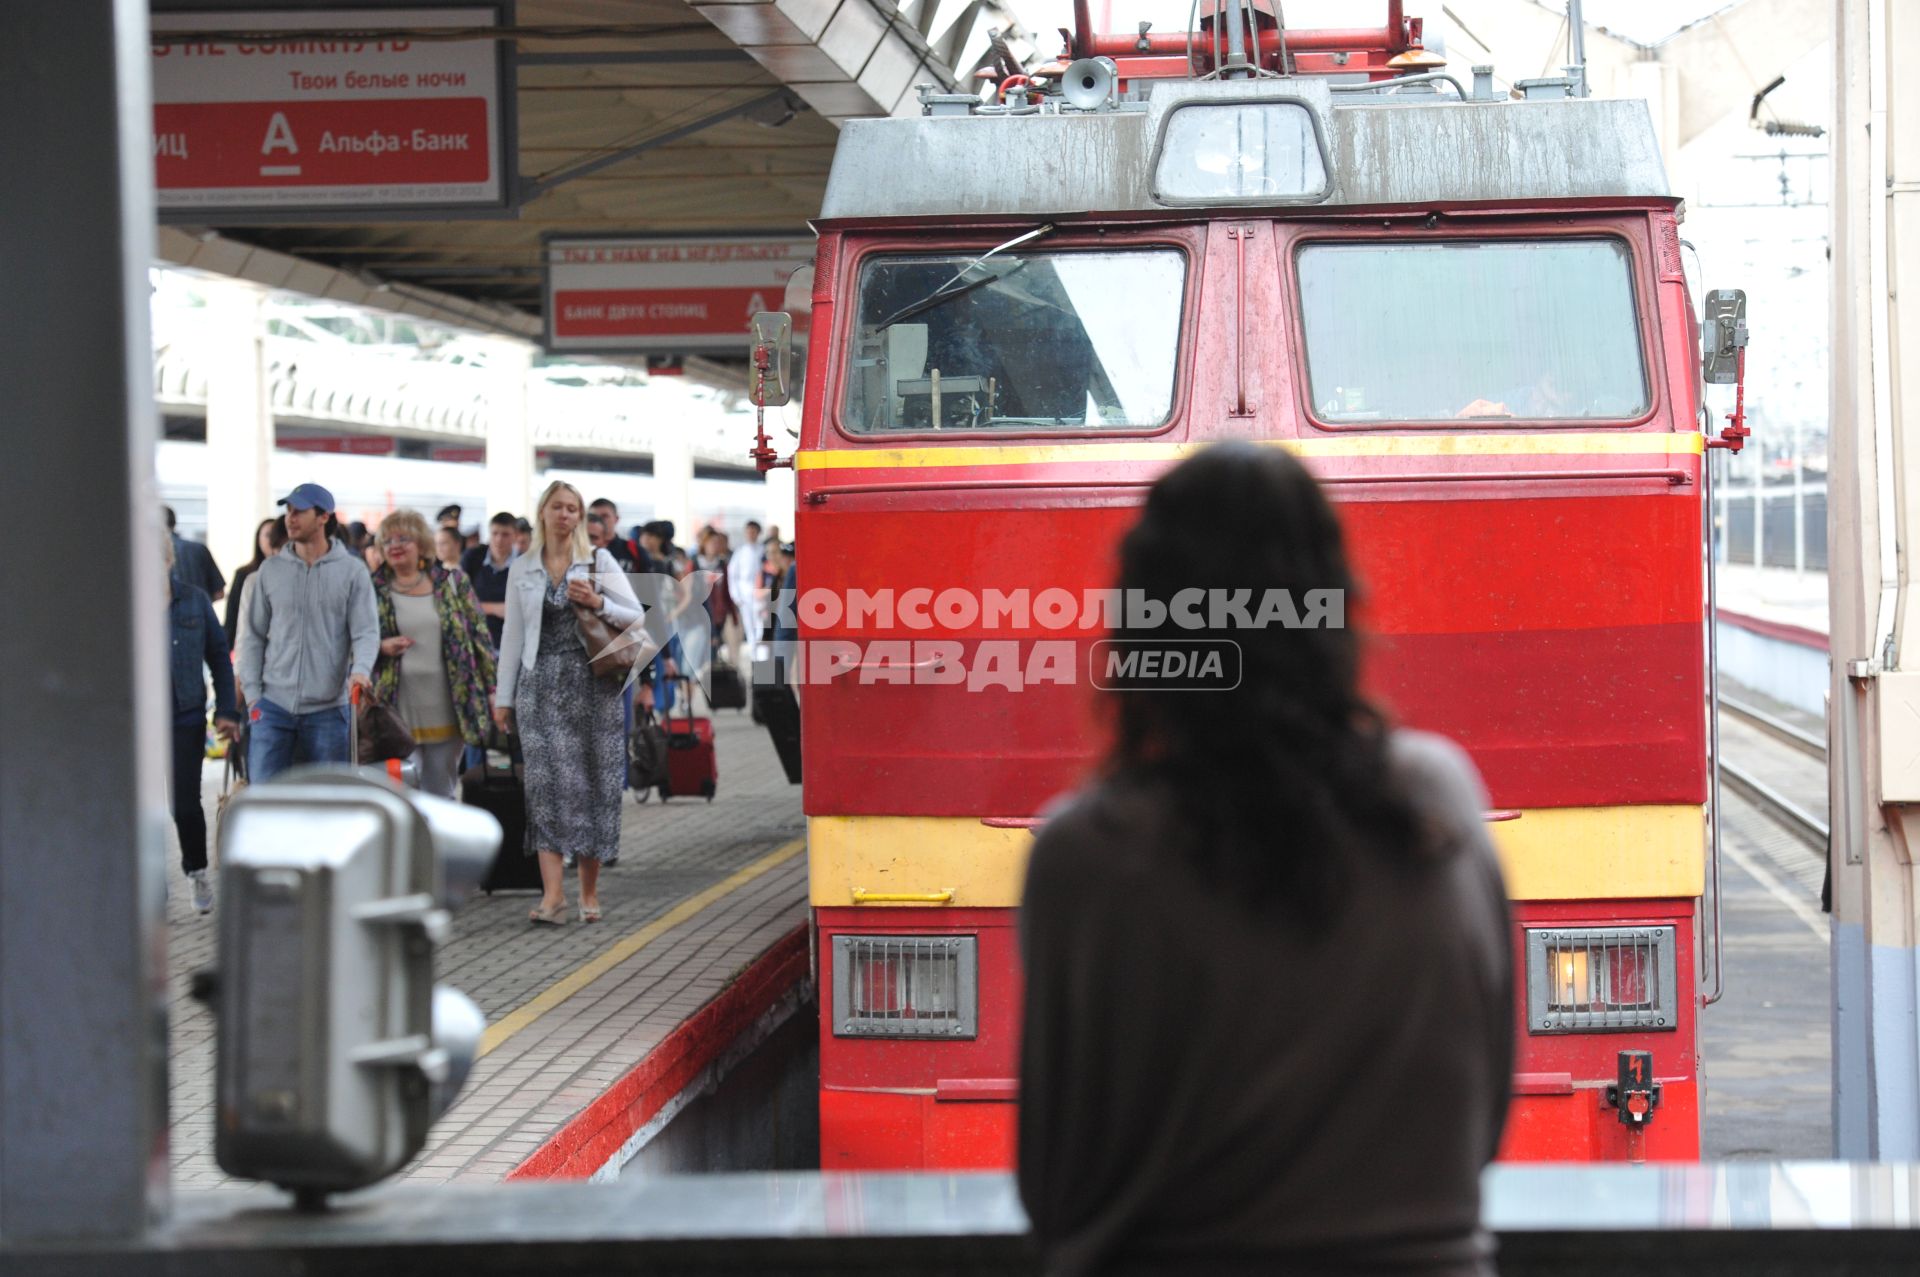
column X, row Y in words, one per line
column 1442, row 783
column 1102, row 820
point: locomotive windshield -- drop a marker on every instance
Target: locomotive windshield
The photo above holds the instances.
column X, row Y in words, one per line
column 1533, row 330
column 1019, row 340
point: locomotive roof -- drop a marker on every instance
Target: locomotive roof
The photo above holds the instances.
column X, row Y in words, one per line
column 1378, row 153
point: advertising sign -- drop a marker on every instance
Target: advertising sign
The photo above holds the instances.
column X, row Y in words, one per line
column 270, row 127
column 645, row 295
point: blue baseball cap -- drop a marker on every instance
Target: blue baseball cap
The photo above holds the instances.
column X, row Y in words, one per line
column 309, row 496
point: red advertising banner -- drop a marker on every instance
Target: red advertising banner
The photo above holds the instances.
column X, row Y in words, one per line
column 280, row 124
column 392, row 141
column 665, row 295
column 356, row 445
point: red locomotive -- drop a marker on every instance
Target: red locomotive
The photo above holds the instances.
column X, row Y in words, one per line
column 1467, row 315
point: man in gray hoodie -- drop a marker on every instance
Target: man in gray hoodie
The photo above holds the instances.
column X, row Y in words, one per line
column 315, row 633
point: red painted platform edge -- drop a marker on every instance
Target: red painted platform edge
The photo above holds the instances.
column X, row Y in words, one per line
column 591, row 1138
column 1798, row 635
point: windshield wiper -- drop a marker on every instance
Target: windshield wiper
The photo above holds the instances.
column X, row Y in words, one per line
column 955, row 287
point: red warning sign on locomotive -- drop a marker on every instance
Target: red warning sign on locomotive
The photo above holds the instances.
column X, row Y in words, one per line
column 289, row 111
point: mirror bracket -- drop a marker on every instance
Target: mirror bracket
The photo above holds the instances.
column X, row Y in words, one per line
column 1723, row 359
column 771, row 384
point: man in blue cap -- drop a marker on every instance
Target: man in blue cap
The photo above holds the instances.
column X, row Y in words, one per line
column 315, row 632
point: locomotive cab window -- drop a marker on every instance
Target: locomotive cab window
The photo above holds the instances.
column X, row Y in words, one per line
column 1491, row 330
column 1068, row 340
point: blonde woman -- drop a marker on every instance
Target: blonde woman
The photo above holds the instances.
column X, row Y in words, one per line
column 436, row 659
column 569, row 720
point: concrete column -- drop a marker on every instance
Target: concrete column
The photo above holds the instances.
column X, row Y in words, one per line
column 83, row 724
column 239, row 420
column 510, row 472
column 1874, row 501
column 673, row 478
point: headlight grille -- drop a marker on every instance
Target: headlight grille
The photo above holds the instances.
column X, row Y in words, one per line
column 1596, row 979
column 906, row 986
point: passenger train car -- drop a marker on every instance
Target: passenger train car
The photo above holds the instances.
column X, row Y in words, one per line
column 1467, row 315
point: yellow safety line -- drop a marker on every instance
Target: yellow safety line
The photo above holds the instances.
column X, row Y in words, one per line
column 1680, row 443
column 580, row 977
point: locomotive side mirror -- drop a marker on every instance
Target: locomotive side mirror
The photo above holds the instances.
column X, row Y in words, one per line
column 1723, row 335
column 772, row 375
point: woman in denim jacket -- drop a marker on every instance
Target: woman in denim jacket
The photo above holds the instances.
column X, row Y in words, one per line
column 199, row 645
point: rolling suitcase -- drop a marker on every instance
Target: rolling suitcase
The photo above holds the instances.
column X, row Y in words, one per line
column 497, row 785
column 691, row 767
column 778, row 710
column 729, row 690
column 646, row 755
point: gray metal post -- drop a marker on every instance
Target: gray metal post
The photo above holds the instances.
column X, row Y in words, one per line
column 83, row 742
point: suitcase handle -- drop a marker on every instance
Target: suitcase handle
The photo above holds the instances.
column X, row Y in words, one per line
column 353, row 726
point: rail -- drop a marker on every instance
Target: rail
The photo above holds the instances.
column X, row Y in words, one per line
column 1704, row 1220
column 1778, row 728
column 1796, row 820
column 1783, row 811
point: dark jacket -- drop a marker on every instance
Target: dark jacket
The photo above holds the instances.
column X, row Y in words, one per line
column 235, row 589
column 199, row 645
column 193, row 563
column 1207, row 1086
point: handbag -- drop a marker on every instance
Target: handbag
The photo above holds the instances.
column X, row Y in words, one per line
column 611, row 653
column 382, row 735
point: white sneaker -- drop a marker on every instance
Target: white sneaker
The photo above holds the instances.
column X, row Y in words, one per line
column 202, row 890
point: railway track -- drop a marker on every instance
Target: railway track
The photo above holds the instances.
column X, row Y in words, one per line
column 1808, row 827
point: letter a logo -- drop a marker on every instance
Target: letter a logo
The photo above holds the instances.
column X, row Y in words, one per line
column 279, row 136
column 756, row 304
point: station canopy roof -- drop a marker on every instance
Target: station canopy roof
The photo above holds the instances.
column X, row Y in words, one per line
column 704, row 118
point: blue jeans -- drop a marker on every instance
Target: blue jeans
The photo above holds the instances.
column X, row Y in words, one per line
column 278, row 739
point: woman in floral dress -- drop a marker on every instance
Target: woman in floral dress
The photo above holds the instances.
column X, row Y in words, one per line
column 436, row 658
column 569, row 719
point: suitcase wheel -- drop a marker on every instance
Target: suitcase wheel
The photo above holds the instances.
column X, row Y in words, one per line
column 666, row 792
column 706, row 788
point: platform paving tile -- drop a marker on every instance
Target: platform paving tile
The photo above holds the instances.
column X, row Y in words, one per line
column 530, row 1085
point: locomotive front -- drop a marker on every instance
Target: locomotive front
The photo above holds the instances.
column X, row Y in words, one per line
column 1469, row 318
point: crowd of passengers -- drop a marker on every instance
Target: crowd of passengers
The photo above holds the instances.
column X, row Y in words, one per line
column 459, row 640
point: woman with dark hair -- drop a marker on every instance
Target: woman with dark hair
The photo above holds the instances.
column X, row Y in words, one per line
column 1269, row 989
column 267, row 539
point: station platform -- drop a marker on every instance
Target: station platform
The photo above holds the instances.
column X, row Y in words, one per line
column 1795, row 601
column 596, row 1033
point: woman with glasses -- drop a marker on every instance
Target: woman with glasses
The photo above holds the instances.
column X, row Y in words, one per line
column 436, row 659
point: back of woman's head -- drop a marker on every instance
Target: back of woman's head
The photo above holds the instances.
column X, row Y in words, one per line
column 1283, row 775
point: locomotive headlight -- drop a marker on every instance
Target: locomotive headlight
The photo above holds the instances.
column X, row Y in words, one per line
column 1569, row 978
column 1224, row 152
column 1592, row 979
